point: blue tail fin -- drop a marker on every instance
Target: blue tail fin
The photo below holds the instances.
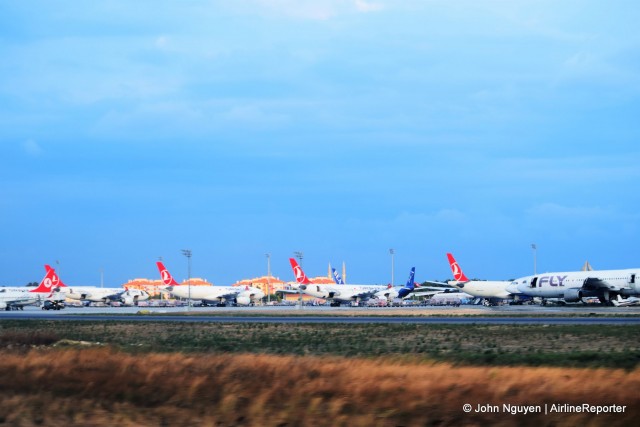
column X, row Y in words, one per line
column 410, row 282
column 336, row 277
column 410, row 286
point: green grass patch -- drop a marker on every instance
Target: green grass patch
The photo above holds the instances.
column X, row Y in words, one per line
column 616, row 346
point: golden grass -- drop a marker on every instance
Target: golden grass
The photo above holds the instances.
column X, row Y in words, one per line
column 102, row 387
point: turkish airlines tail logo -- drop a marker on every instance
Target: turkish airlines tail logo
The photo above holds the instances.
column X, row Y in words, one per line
column 458, row 275
column 301, row 278
column 166, row 277
column 50, row 282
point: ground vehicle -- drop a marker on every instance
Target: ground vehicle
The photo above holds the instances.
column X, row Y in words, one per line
column 53, row 305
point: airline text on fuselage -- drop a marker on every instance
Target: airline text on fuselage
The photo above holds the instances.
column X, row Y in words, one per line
column 552, row 280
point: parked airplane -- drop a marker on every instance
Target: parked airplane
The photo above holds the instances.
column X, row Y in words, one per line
column 393, row 292
column 625, row 302
column 48, row 291
column 450, row 298
column 490, row 290
column 218, row 295
column 52, row 285
column 13, row 299
column 336, row 294
column 606, row 285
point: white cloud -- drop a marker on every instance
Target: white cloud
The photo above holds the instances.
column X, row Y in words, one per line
column 365, row 6
column 556, row 211
column 317, row 10
column 251, row 114
column 32, row 148
column 162, row 42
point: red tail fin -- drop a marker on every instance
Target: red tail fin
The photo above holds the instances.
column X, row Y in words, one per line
column 50, row 282
column 458, row 275
column 301, row 278
column 166, row 277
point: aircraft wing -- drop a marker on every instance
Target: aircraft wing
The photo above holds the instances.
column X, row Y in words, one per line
column 229, row 296
column 18, row 299
column 288, row 291
column 436, row 288
column 435, row 284
column 594, row 284
column 364, row 295
column 427, row 291
column 226, row 295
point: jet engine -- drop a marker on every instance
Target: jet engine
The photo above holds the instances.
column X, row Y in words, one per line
column 243, row 300
column 573, row 295
column 129, row 299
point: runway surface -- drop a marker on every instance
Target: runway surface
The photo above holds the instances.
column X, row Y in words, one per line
column 291, row 315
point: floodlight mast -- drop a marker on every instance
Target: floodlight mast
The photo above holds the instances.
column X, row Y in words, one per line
column 392, row 252
column 268, row 278
column 300, row 256
column 187, row 253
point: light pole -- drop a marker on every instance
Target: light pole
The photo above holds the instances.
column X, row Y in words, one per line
column 299, row 255
column 392, row 252
column 187, row 253
column 534, row 248
column 268, row 278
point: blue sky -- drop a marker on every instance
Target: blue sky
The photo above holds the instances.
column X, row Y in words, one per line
column 339, row 128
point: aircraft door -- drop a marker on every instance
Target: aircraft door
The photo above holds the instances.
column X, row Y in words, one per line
column 534, row 282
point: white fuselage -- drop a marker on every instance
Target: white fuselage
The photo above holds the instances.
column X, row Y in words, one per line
column 342, row 293
column 242, row 294
column 451, row 296
column 389, row 293
column 556, row 285
column 17, row 298
column 90, row 293
column 485, row 288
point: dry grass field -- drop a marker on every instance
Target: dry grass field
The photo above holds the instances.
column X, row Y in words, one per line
column 190, row 374
column 103, row 387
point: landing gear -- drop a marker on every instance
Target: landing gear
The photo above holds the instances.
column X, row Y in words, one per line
column 605, row 299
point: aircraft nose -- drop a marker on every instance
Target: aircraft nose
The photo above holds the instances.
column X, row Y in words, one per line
column 513, row 288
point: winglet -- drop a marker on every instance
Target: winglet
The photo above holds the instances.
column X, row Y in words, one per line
column 301, row 278
column 458, row 275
